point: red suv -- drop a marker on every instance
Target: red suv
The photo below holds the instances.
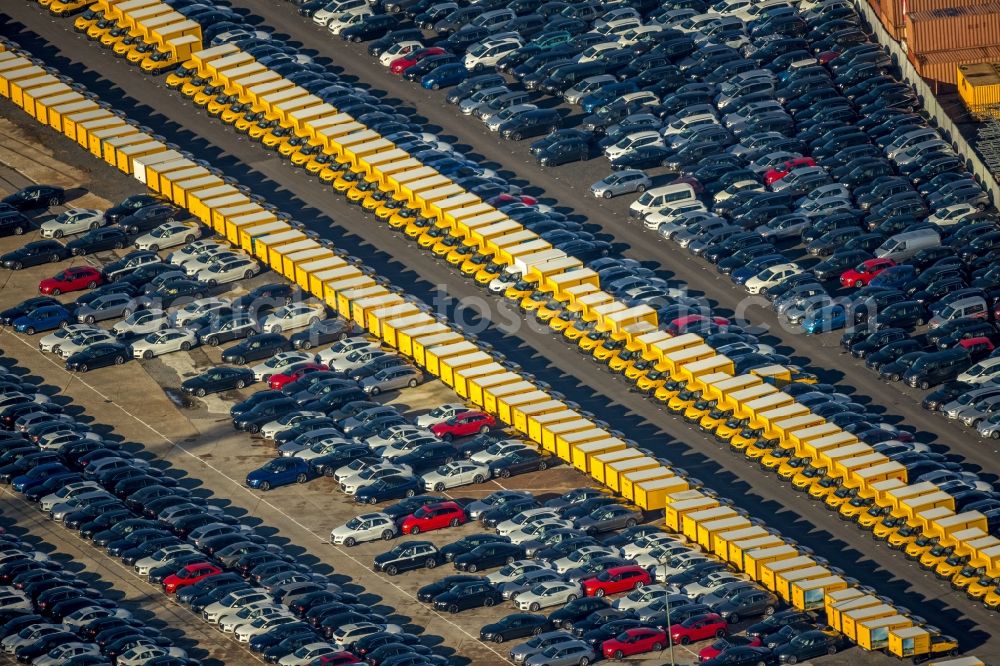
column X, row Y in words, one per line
column 865, row 272
column 463, row 424
column 434, row 517
column 189, row 575
column 73, row 278
column 616, row 579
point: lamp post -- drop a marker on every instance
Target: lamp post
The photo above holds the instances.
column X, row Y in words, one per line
column 666, row 603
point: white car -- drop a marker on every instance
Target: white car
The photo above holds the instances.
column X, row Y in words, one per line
column 229, row 623
column 982, row 372
column 524, row 518
column 641, row 597
column 15, row 600
column 440, row 414
column 142, row 322
column 272, row 428
column 307, row 653
column 398, row 50
column 552, row 593
column 141, row 654
column 322, row 448
column 206, row 258
column 394, row 435
column 164, row 342
column 489, row 52
column 30, row 634
column 949, row 215
column 352, row 633
column 646, row 543
column 581, row 556
column 263, row 624
column 657, row 556
column 82, row 616
column 458, row 473
column 338, row 23
column 61, row 654
column 193, row 250
column 67, row 493
column 83, row 340
column 229, row 269
column 296, row 315
column 356, row 359
column 51, row 342
column 277, row 364
column 165, row 554
column 366, row 527
column 232, row 602
column 198, row 308
column 538, row 529
column 711, row 582
column 509, row 572
column 498, row 450
column 368, row 476
column 72, row 221
column 771, row 277
column 343, row 348
column 403, row 446
column 169, row 234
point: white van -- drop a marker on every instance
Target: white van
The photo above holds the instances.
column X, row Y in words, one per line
column 904, row 245
column 632, row 141
column 660, row 197
column 489, row 52
column 591, row 52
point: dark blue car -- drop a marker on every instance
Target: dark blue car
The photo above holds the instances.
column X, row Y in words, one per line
column 444, row 76
column 281, row 472
column 390, row 487
column 37, row 476
column 894, row 277
column 45, row 318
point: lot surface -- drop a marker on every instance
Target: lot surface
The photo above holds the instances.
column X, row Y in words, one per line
column 200, row 441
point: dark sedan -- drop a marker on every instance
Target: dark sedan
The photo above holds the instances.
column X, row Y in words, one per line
column 34, row 197
column 390, row 487
column 217, row 380
column 175, row 290
column 98, row 356
column 35, row 253
column 488, row 555
column 520, row 462
column 564, row 152
column 515, row 625
column 98, row 240
column 255, row 348
column 148, row 218
column 468, row 595
column 407, row 556
column 323, row 332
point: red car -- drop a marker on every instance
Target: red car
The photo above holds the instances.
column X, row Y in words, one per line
column 335, row 659
column 400, row 65
column 463, row 424
column 698, row 628
column 74, row 278
column 277, row 381
column 189, row 575
column 634, row 641
column 777, row 173
column 616, row 579
column 504, row 199
column 864, row 272
column 723, row 644
column 826, row 57
column 681, row 324
column 434, row 517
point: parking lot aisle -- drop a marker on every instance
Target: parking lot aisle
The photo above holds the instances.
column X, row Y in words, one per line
column 185, row 629
column 752, row 489
column 568, row 188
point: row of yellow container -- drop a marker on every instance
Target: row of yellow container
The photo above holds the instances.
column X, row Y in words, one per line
column 475, row 374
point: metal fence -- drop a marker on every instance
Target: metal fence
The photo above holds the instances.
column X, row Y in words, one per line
column 939, row 117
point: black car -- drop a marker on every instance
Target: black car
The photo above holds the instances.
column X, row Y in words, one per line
column 427, row 457
column 265, row 298
column 148, row 218
column 563, row 152
column 577, row 610
column 396, row 486
column 34, row 197
column 515, row 625
column 371, row 27
column 128, row 264
column 25, row 308
column 216, row 380
column 35, row 253
column 494, row 517
column 408, row 556
column 98, row 240
column 98, row 356
column 14, row 223
column 809, row 645
column 520, row 462
column 175, row 290
column 256, row 347
column 429, row 592
column 488, row 555
column 323, row 332
column 130, row 205
column 252, row 420
column 468, row 595
column 534, row 122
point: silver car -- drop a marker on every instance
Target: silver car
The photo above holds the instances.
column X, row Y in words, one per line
column 142, row 322
column 539, row 643
column 552, row 593
column 83, row 340
column 990, row 428
column 109, row 306
column 366, row 527
column 229, row 270
column 527, row 580
column 51, row 342
column 626, row 181
column 574, row 653
column 72, row 221
column 973, row 414
column 392, row 379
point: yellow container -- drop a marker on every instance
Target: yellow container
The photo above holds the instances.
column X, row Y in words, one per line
column 225, row 207
column 302, row 256
column 53, row 95
column 769, row 571
column 598, row 463
column 808, row 595
column 787, row 580
column 738, row 548
column 244, row 229
column 478, row 388
column 837, row 606
column 263, row 245
column 507, row 403
column 348, row 298
column 874, row 634
column 89, row 121
column 433, row 356
column 391, row 326
column 11, row 79
column 406, row 336
column 850, row 619
column 587, row 452
column 652, row 495
column 539, row 423
column 571, row 446
column 709, row 529
column 692, row 520
column 377, row 317
column 629, row 480
column 125, row 154
column 57, row 113
column 423, row 344
column 98, row 139
column 110, row 147
column 144, row 167
column 613, row 472
column 551, row 435
column 753, row 559
column 464, row 378
column 674, row 512
column 196, row 201
column 524, row 413
column 908, row 642
column 19, row 87
column 494, row 394
column 721, row 541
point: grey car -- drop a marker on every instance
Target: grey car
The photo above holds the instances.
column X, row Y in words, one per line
column 790, row 225
column 109, row 306
column 608, row 518
column 574, row 653
column 724, row 591
column 973, row 414
column 495, row 501
column 621, row 182
column 751, row 603
column 526, row 581
column 537, row 644
column 390, row 379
